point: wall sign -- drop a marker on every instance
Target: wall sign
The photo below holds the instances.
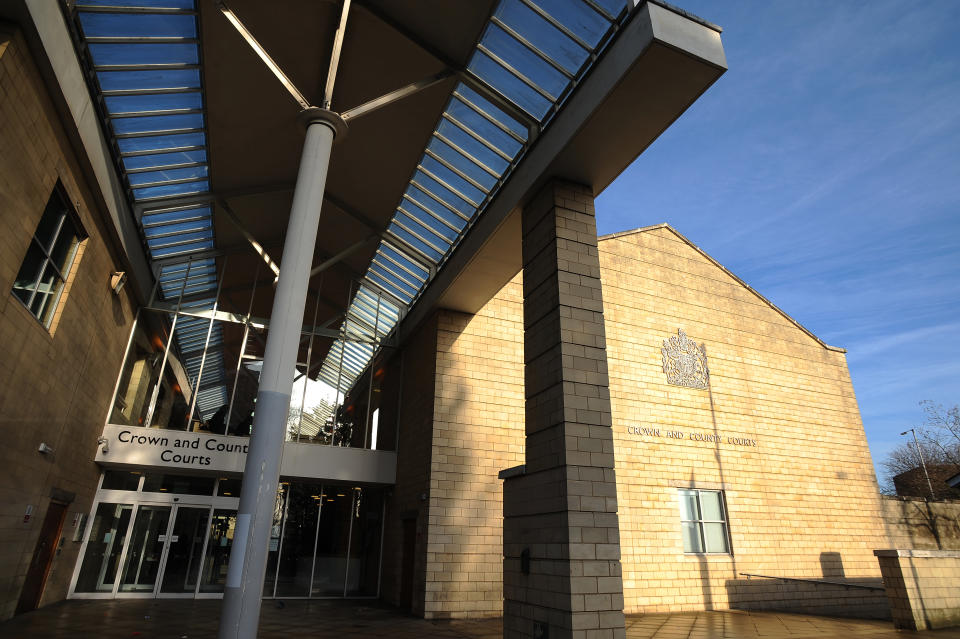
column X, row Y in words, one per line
column 152, row 447
column 685, row 361
column 692, row 436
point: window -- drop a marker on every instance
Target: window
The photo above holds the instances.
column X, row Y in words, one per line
column 703, row 521
column 52, row 250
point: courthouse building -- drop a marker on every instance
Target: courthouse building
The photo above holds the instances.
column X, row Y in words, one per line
column 493, row 411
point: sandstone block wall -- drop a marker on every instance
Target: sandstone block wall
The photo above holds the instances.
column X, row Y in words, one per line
column 921, row 524
column 56, row 384
column 923, row 587
column 796, row 472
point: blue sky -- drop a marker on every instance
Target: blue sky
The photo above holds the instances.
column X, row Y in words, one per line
column 824, row 169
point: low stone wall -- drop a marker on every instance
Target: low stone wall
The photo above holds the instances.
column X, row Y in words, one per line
column 923, row 587
column 921, row 524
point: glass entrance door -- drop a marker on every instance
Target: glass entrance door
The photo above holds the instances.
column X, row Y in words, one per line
column 145, row 552
column 185, row 550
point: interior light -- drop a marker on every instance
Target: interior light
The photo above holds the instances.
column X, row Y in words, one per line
column 341, row 495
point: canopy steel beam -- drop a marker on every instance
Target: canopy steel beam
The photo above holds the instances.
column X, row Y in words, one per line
column 468, row 78
column 398, row 94
column 262, row 53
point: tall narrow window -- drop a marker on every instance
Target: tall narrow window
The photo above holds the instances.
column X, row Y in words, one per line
column 703, row 521
column 52, row 250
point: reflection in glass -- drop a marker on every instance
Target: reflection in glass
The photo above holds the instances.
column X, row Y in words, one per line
column 688, row 505
column 715, row 537
column 365, row 543
column 710, row 505
column 276, row 533
column 214, row 573
column 186, row 547
column 107, row 534
column 120, row 480
column 146, row 548
column 299, row 537
column 178, row 484
column 332, row 539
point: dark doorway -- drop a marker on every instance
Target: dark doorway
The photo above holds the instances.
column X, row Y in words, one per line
column 42, row 558
column 406, row 569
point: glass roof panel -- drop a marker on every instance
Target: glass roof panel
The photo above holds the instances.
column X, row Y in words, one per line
column 577, row 16
column 178, row 4
column 169, row 174
column 171, row 190
column 463, row 164
column 469, row 95
column 144, row 80
column 153, row 102
column 453, row 134
column 157, row 143
column 137, row 54
column 173, row 216
column 509, row 84
column 163, row 159
column 543, row 35
column 157, row 123
column 138, row 25
column 524, row 61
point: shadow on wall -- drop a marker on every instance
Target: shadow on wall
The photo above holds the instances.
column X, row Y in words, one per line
column 832, row 595
column 919, row 524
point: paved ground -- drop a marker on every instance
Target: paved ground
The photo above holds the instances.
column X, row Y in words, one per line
column 188, row 619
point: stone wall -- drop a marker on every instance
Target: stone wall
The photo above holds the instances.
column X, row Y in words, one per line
column 56, row 383
column 410, row 377
column 778, row 430
column 921, row 524
column 923, row 587
column 478, row 431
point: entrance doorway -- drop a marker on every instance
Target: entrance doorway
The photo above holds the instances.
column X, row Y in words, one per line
column 42, row 557
column 170, row 536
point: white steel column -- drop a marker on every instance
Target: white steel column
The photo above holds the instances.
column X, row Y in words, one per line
column 240, row 613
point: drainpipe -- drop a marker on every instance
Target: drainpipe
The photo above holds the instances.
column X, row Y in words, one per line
column 240, row 613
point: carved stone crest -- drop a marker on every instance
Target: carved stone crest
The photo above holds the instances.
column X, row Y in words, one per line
column 685, row 361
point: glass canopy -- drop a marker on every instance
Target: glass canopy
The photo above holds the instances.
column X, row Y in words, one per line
column 147, row 72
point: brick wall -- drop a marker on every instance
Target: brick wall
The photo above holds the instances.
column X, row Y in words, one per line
column 802, row 502
column 55, row 385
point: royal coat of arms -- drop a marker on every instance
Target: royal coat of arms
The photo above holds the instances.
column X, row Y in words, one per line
column 685, row 361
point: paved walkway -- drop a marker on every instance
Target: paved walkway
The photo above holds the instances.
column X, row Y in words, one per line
column 189, row 619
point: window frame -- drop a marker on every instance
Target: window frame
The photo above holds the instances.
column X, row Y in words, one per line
column 724, row 513
column 66, row 215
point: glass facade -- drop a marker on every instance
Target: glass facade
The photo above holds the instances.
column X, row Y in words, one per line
column 171, row 535
column 181, row 373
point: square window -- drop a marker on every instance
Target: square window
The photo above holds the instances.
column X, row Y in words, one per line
column 43, row 273
column 703, row 521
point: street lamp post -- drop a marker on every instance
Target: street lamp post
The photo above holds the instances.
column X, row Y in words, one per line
column 923, row 464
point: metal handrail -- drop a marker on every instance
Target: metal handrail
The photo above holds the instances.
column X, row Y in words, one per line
column 815, row 581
